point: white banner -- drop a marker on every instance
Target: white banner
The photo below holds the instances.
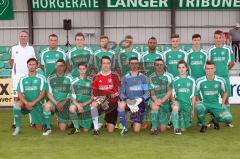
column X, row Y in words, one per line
column 235, row 86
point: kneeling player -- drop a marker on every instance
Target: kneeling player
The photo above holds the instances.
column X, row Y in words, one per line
column 210, row 87
column 105, row 88
column 184, row 98
column 58, row 94
column 161, row 90
column 31, row 90
column 134, row 94
column 81, row 98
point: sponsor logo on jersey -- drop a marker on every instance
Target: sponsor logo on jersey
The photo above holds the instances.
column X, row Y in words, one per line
column 51, row 61
column 183, row 90
column 210, row 93
column 31, row 88
column 219, row 59
column 196, row 62
column 173, row 62
column 105, row 87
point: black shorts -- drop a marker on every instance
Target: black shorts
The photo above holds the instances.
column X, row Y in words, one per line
column 111, row 114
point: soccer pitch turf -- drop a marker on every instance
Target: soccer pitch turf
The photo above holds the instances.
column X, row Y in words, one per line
column 215, row 144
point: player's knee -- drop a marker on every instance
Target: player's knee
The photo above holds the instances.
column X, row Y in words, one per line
column 16, row 107
column 199, row 108
column 47, row 106
column 62, row 128
column 121, row 105
column 163, row 128
column 154, row 107
column 175, row 108
column 227, row 118
column 72, row 109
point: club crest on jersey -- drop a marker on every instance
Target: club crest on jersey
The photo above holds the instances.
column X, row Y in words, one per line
column 222, row 52
column 65, row 82
column 201, row 56
column 191, row 57
column 35, row 81
column 179, row 56
column 57, row 56
column 169, row 56
column 26, row 82
column 188, row 84
column 216, row 86
column 17, row 52
column 110, row 80
column 205, row 86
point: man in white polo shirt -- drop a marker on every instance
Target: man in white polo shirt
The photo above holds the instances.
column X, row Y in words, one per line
column 19, row 55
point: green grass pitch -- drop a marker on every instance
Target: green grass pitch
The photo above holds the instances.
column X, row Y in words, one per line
column 215, row 144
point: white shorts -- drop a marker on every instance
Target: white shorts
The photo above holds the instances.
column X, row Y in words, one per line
column 16, row 79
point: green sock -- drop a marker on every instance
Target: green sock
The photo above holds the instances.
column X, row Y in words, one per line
column 47, row 118
column 175, row 120
column 228, row 107
column 154, row 117
column 200, row 110
column 17, row 116
column 74, row 118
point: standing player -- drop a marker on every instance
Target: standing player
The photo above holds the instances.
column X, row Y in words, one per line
column 105, row 88
column 134, row 94
column 19, row 55
column 58, row 95
column 209, row 88
column 174, row 55
column 80, row 53
column 125, row 54
column 184, row 92
column 161, row 91
column 81, row 99
column 223, row 58
column 49, row 56
column 31, row 91
column 196, row 58
column 148, row 58
column 104, row 51
column 147, row 61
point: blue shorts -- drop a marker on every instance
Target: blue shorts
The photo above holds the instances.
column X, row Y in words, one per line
column 139, row 115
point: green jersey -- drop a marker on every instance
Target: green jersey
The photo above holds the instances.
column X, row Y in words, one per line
column 123, row 58
column 160, row 84
column 49, row 59
column 184, row 89
column 196, row 63
column 221, row 57
column 100, row 53
column 172, row 58
column 31, row 86
column 210, row 91
column 77, row 55
column 59, row 86
column 81, row 89
column 147, row 61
